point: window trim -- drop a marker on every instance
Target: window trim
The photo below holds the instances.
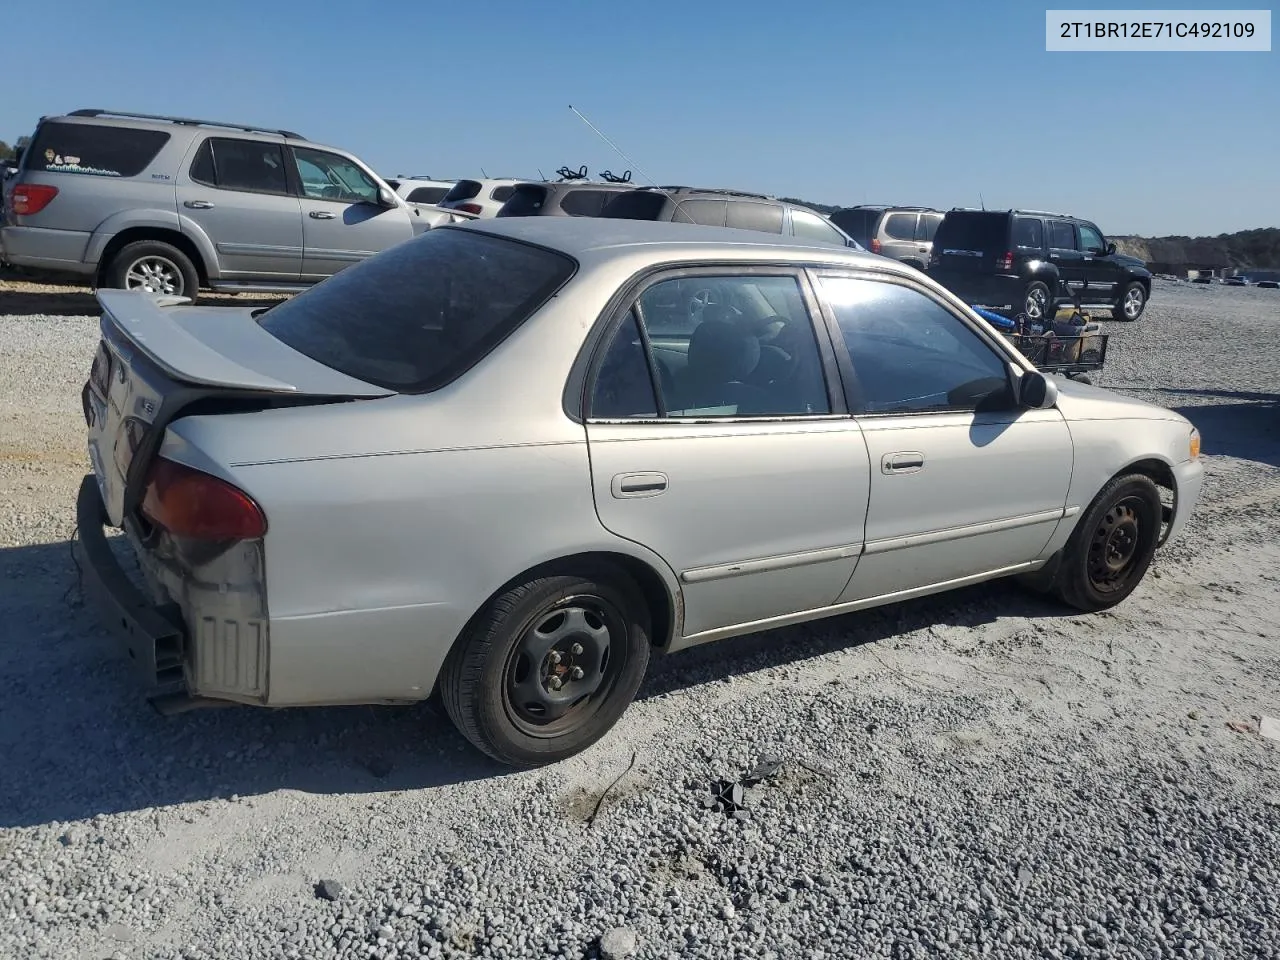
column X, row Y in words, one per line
column 290, row 174
column 580, row 384
column 300, row 190
column 1014, row 365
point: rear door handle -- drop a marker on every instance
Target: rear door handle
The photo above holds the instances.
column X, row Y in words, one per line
column 321, row 215
column 199, row 204
column 630, row 485
column 909, row 461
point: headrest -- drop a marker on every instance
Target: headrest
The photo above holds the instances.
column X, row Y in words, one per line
column 721, row 351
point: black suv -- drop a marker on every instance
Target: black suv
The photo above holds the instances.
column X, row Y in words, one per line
column 1021, row 260
column 726, row 208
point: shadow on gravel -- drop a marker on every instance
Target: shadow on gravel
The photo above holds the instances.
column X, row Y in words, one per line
column 63, row 303
column 967, row 607
column 1247, row 431
column 77, row 739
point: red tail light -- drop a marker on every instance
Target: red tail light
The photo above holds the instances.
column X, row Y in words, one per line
column 1005, row 261
column 189, row 503
column 875, row 245
column 471, row 208
column 29, row 198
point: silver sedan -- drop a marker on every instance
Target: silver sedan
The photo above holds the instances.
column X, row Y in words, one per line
column 508, row 462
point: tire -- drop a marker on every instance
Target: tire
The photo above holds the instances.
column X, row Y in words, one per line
column 495, row 685
column 1112, row 546
column 1037, row 302
column 1131, row 303
column 164, row 266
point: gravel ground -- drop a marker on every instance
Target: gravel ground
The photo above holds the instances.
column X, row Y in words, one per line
column 975, row 774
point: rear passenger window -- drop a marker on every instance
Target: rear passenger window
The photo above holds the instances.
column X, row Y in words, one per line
column 585, row 203
column 709, row 213
column 928, row 226
column 233, row 164
column 718, row 349
column 1062, row 236
column 502, row 194
column 93, row 150
column 635, row 205
column 1028, row 232
column 623, row 387
column 900, row 226
column 749, row 215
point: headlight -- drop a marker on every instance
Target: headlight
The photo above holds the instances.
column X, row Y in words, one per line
column 1194, row 444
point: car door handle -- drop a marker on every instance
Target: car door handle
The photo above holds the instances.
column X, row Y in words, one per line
column 639, row 485
column 904, row 462
column 321, row 215
column 199, row 204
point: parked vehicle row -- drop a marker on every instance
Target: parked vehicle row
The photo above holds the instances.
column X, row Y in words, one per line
column 172, row 205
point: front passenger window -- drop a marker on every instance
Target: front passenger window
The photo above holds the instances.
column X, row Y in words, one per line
column 912, row 355
column 327, row 176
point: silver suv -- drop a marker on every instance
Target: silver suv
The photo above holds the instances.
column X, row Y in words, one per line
column 900, row 233
column 170, row 205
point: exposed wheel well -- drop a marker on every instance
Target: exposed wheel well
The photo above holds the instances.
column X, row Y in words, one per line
column 650, row 583
column 171, row 237
column 1161, row 474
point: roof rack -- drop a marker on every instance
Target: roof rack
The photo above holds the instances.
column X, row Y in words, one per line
column 1016, row 211
column 892, row 206
column 712, row 190
column 185, row 121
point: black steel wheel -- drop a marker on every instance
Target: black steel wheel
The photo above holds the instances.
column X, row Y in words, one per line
column 1112, row 546
column 548, row 667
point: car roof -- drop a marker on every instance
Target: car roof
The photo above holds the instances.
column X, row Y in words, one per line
column 600, row 238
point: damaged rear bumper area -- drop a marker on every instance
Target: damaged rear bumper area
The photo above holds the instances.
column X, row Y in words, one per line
column 153, row 635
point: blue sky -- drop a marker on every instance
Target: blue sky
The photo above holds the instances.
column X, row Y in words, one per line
column 839, row 102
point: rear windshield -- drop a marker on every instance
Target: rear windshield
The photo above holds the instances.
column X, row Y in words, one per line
column 973, row 230
column 427, row 194
column 856, row 223
column 93, row 149
column 525, row 201
column 419, row 315
column 635, row 205
column 462, row 190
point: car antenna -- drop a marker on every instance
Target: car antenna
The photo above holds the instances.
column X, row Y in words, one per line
column 542, row 176
column 618, row 151
column 982, row 203
column 484, row 173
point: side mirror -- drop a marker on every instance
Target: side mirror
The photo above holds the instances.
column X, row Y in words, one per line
column 386, row 198
column 1037, row 391
column 1111, row 248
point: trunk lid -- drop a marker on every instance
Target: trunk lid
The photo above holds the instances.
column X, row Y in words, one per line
column 157, row 357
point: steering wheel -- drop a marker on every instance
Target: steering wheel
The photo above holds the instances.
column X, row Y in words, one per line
column 701, row 298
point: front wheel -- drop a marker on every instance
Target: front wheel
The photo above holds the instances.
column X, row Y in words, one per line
column 1112, row 546
column 548, row 667
column 1133, row 300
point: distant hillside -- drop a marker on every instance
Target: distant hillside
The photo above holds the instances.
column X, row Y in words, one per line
column 1248, row 249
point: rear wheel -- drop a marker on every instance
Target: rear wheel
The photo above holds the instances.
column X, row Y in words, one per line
column 549, row 666
column 153, row 266
column 1133, row 300
column 1112, row 546
column 1035, row 302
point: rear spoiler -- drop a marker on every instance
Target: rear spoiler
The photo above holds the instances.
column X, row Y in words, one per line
column 142, row 320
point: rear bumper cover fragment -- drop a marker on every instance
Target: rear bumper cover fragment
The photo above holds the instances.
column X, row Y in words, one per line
column 153, row 635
